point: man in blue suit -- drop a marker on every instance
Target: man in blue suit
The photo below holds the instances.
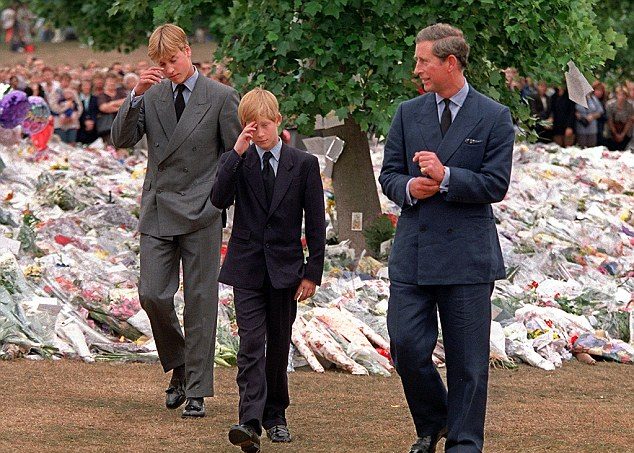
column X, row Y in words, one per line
column 447, row 158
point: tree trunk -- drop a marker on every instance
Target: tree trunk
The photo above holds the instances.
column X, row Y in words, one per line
column 353, row 182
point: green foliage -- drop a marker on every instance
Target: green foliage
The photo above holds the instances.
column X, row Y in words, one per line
column 356, row 56
column 124, row 25
column 616, row 18
column 379, row 231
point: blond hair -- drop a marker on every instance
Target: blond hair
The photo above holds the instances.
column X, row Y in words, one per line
column 258, row 104
column 165, row 41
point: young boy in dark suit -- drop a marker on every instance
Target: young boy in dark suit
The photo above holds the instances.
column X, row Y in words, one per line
column 274, row 187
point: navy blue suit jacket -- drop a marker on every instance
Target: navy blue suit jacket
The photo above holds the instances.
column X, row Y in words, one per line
column 270, row 239
column 449, row 238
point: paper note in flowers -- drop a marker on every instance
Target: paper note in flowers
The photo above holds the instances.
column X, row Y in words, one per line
column 11, row 245
column 328, row 121
column 578, row 86
column 330, row 147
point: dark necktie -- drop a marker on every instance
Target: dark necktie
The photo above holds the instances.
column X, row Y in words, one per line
column 179, row 102
column 268, row 176
column 445, row 118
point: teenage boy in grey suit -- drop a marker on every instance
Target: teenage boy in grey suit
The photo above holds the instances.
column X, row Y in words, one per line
column 189, row 121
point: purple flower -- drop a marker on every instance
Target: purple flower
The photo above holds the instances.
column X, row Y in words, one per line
column 14, row 107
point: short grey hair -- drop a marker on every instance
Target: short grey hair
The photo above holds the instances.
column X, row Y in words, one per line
column 447, row 41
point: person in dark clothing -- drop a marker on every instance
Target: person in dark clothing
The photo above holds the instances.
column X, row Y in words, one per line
column 87, row 131
column 541, row 107
column 563, row 114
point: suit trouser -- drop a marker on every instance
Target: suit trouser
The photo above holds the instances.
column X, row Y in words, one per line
column 159, row 281
column 465, row 317
column 265, row 316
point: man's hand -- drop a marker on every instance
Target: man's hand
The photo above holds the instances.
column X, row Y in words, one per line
column 151, row 76
column 569, row 132
column 89, row 125
column 305, row 290
column 430, row 165
column 422, row 188
column 244, row 139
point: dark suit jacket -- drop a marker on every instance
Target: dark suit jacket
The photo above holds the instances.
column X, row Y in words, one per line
column 449, row 238
column 270, row 240
column 537, row 108
column 182, row 156
column 563, row 110
column 89, row 113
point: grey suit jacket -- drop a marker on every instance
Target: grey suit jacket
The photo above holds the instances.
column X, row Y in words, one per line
column 183, row 156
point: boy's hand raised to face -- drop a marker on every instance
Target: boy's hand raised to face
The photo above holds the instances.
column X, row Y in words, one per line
column 244, row 139
column 151, row 76
column 305, row 290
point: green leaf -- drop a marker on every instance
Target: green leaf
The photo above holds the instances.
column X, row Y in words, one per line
column 312, row 8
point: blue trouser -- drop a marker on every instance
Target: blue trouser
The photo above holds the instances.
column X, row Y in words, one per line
column 465, row 317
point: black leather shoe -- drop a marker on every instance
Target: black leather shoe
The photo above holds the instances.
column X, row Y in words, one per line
column 279, row 433
column 175, row 395
column 195, row 407
column 427, row 444
column 245, row 437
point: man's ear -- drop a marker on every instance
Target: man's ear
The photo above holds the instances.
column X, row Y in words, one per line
column 278, row 120
column 453, row 63
column 188, row 51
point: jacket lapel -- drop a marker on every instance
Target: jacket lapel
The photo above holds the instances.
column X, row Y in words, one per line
column 165, row 107
column 427, row 118
column 198, row 104
column 282, row 179
column 253, row 175
column 467, row 118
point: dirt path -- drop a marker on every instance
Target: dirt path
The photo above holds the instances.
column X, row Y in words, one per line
column 71, row 406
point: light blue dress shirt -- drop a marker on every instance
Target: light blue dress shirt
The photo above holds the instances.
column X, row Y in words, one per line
column 454, row 107
column 275, row 159
column 190, row 83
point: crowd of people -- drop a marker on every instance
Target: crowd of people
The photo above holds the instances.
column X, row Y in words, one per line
column 85, row 98
column 607, row 121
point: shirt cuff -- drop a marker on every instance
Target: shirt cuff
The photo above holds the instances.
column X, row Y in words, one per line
column 409, row 200
column 444, row 184
column 135, row 100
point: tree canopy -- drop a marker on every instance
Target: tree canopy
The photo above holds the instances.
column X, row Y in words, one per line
column 356, row 56
column 124, row 25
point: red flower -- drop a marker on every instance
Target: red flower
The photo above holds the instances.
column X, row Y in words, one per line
column 63, row 240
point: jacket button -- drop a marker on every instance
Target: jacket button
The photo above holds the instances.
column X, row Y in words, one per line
column 185, row 170
column 161, row 168
column 423, row 229
column 194, row 148
column 157, row 145
column 182, row 194
column 267, row 245
column 268, row 225
column 159, row 190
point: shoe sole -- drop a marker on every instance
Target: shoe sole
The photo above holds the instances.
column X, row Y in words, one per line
column 241, row 439
column 193, row 415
